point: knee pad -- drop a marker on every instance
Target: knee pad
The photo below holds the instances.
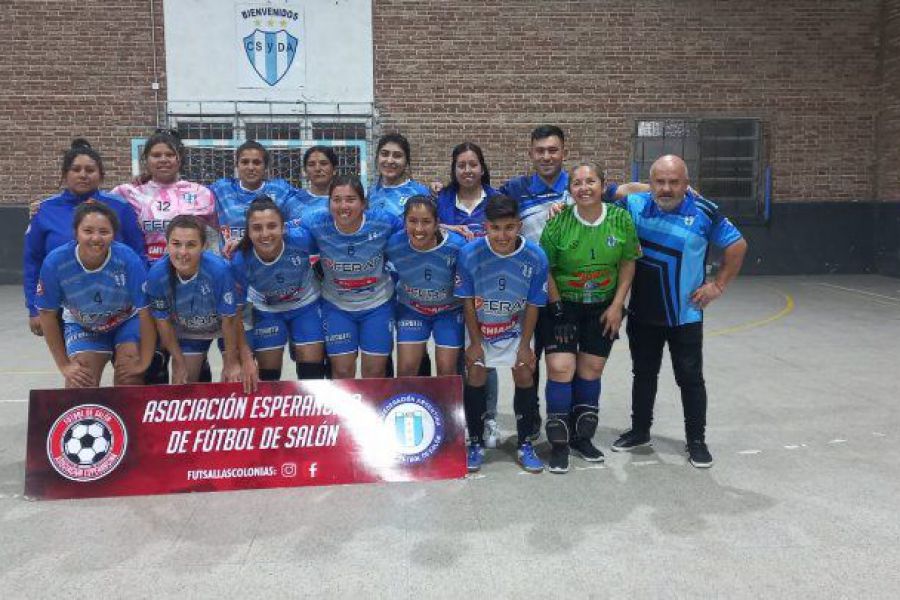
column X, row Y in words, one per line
column 586, row 421
column 310, row 370
column 270, row 374
column 557, row 429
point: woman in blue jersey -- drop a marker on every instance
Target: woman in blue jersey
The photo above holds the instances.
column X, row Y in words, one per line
column 424, row 259
column 276, row 282
column 393, row 186
column 51, row 225
column 461, row 203
column 233, row 195
column 319, row 167
column 193, row 299
column 357, row 291
column 98, row 284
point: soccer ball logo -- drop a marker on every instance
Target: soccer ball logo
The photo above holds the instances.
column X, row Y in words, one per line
column 87, row 442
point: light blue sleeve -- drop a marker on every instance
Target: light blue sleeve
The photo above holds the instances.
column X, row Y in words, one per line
column 48, row 295
column 226, row 294
column 137, row 275
column 156, row 291
column 463, row 286
column 537, row 290
column 723, row 233
column 239, row 275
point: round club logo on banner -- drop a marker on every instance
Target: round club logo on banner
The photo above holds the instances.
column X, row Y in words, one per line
column 86, row 442
column 415, row 425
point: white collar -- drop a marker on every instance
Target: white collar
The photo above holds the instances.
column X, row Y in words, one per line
column 466, row 209
column 588, row 223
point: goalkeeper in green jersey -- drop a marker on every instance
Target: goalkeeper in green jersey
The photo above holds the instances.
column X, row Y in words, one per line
column 591, row 247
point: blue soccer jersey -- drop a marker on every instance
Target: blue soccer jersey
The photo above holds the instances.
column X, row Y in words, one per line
column 310, row 202
column 392, row 198
column 673, row 265
column 98, row 300
column 195, row 306
column 502, row 286
column 535, row 198
column 285, row 283
column 450, row 213
column 425, row 279
column 233, row 199
column 353, row 263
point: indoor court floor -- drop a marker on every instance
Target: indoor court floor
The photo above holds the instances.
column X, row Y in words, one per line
column 804, row 383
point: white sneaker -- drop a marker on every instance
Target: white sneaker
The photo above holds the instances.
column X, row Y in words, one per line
column 491, row 433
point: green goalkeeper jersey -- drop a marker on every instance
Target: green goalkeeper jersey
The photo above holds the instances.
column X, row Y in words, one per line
column 584, row 257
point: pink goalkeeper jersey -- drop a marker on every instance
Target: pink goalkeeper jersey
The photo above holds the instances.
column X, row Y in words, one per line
column 157, row 204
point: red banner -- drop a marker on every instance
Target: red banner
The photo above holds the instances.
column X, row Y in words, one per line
column 212, row 437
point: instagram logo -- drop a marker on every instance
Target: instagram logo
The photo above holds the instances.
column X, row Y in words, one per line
column 289, row 469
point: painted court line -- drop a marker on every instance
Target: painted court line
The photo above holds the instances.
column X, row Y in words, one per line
column 787, row 309
column 892, row 299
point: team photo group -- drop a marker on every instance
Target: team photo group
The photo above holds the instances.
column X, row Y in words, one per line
column 550, row 265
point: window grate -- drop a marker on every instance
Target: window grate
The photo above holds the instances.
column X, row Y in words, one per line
column 722, row 155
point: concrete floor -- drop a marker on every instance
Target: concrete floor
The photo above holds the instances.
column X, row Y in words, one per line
column 804, row 383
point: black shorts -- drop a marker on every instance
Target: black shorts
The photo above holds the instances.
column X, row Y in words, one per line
column 589, row 337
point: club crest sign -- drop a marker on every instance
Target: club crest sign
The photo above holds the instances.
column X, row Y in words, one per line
column 270, row 38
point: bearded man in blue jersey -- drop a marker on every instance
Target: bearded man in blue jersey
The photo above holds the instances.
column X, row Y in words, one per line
column 675, row 227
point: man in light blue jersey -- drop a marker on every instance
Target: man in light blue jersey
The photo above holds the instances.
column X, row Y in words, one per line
column 502, row 279
column 675, row 227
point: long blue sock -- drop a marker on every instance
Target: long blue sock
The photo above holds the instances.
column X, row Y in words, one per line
column 559, row 397
column 585, row 392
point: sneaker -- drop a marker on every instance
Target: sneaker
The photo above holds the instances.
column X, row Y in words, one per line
column 630, row 440
column 528, row 460
column 585, row 449
column 699, row 454
column 559, row 459
column 474, row 457
column 491, row 433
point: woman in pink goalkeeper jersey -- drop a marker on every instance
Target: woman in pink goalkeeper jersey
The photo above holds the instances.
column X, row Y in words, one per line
column 165, row 195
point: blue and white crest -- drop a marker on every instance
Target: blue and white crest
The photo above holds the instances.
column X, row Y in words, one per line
column 271, row 53
column 408, row 428
column 415, row 426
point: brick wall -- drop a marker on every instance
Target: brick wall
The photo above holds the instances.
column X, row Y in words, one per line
column 73, row 69
column 889, row 129
column 488, row 72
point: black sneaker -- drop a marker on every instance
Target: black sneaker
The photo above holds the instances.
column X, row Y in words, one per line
column 630, row 440
column 585, row 449
column 699, row 454
column 559, row 459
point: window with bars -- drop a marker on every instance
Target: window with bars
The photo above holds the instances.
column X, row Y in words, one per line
column 207, row 159
column 723, row 157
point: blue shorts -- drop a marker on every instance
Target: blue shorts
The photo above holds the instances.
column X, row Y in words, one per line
column 78, row 339
column 347, row 331
column 191, row 346
column 302, row 325
column 414, row 327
